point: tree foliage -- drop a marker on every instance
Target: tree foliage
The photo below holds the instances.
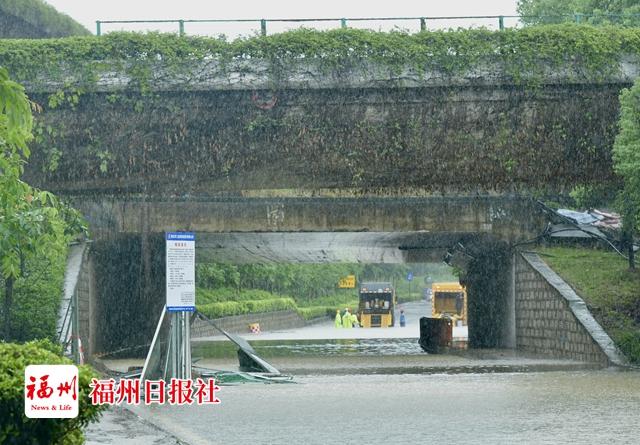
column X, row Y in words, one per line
column 33, row 223
column 618, row 12
column 300, row 281
column 626, row 158
column 535, row 12
column 44, row 17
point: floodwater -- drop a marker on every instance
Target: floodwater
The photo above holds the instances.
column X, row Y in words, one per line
column 386, row 390
column 316, row 347
column 582, row 407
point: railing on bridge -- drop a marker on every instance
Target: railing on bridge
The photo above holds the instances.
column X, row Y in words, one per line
column 422, row 21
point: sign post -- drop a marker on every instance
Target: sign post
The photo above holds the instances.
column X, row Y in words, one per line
column 410, row 279
column 181, row 300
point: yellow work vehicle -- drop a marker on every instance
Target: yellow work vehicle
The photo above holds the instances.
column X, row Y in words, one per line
column 377, row 303
column 449, row 300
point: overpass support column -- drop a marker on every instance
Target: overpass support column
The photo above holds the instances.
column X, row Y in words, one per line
column 129, row 289
column 509, row 339
column 488, row 278
column 145, row 252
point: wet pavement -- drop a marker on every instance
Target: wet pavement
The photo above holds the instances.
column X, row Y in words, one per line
column 578, row 407
column 122, row 427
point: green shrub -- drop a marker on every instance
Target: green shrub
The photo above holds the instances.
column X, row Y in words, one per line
column 275, row 304
column 227, row 308
column 15, row 427
column 311, row 312
column 222, row 309
column 629, row 343
column 216, row 275
column 338, row 300
column 221, row 295
column 595, row 50
column 590, row 196
column 37, row 296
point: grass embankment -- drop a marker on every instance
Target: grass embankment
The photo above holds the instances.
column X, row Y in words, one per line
column 610, row 289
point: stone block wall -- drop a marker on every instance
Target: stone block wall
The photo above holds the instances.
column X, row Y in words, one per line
column 552, row 320
column 269, row 321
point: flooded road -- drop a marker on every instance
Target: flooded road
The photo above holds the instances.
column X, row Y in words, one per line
column 316, row 347
column 325, row 330
column 584, row 407
column 362, row 390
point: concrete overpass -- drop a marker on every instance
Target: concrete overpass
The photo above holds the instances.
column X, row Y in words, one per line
column 307, row 163
column 165, row 118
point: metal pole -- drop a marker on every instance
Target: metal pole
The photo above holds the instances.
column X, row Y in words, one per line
column 501, row 23
column 179, row 355
column 423, row 24
column 187, row 344
column 181, row 364
column 263, row 27
column 75, row 346
column 343, row 23
column 98, row 31
column 178, row 345
column 181, row 27
column 174, row 345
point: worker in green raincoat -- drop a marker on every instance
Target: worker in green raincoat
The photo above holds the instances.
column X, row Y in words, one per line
column 338, row 319
column 346, row 319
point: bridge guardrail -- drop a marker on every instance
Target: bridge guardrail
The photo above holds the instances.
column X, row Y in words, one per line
column 343, row 21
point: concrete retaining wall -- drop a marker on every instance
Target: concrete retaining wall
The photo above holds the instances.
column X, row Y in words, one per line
column 85, row 290
column 269, row 321
column 551, row 319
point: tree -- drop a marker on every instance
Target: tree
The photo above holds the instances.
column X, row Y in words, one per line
column 626, row 163
column 31, row 221
column 621, row 12
column 536, row 12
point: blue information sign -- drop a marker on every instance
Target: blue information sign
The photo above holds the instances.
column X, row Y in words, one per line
column 181, row 266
